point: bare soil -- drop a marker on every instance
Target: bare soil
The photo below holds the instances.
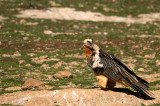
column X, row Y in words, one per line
column 71, row 14
column 77, row 97
column 2, row 18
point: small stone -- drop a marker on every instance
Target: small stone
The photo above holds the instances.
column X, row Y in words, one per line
column 16, row 54
column 21, row 61
column 6, row 55
column 94, row 8
column 52, row 35
column 74, row 63
column 31, row 54
column 67, row 68
column 158, row 62
column 131, row 65
column 0, row 26
column 30, row 23
column 59, row 64
column 141, row 69
column 76, row 26
column 48, row 32
column 105, row 33
column 1, row 70
column 49, row 87
column 54, row 4
column 71, row 85
column 114, row 1
column 121, row 52
column 43, row 57
column 106, row 9
column 32, row 84
column 62, row 74
column 151, row 56
column 25, row 38
column 28, row 65
column 45, row 66
column 22, row 21
column 38, row 39
column 1, row 89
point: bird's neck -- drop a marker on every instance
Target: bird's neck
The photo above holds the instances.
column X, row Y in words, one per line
column 88, row 51
column 95, row 47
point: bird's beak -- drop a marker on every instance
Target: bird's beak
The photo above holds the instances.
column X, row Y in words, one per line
column 84, row 45
column 88, row 46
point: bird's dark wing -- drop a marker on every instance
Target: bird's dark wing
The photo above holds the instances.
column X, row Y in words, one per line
column 114, row 69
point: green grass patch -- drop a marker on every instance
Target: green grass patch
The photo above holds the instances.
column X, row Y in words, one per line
column 117, row 7
column 155, row 83
column 110, row 36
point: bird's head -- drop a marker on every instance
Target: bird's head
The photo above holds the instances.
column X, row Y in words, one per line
column 88, row 43
column 90, row 47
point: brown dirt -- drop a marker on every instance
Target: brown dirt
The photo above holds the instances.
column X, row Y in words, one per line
column 77, row 55
column 59, row 64
column 2, row 18
column 77, row 97
column 41, row 46
column 62, row 74
column 67, row 45
column 151, row 77
column 27, row 46
column 145, row 36
column 71, row 14
column 12, row 88
column 41, row 59
column 134, row 46
column 24, row 22
column 33, row 83
column 16, row 54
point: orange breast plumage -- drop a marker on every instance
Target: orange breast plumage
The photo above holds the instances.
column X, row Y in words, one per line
column 88, row 52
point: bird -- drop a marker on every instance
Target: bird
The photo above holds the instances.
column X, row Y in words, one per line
column 110, row 70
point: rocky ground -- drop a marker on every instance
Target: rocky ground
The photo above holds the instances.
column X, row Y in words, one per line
column 77, row 97
column 73, row 96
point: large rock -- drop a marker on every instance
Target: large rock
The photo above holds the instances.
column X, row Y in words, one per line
column 62, row 74
column 77, row 97
column 33, row 83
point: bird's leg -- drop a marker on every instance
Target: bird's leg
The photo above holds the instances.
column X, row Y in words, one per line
column 111, row 84
column 102, row 81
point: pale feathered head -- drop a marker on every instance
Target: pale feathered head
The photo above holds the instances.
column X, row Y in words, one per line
column 88, row 43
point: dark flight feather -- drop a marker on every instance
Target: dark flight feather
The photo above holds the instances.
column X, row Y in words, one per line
column 115, row 70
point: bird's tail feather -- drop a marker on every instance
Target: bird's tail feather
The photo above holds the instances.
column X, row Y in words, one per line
column 142, row 80
column 132, row 73
column 145, row 93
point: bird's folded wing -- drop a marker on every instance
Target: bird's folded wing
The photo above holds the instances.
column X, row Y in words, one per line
column 119, row 72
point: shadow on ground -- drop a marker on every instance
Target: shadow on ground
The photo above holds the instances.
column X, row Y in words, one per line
column 129, row 92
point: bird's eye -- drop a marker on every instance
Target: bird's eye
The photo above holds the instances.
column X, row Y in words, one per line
column 89, row 42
